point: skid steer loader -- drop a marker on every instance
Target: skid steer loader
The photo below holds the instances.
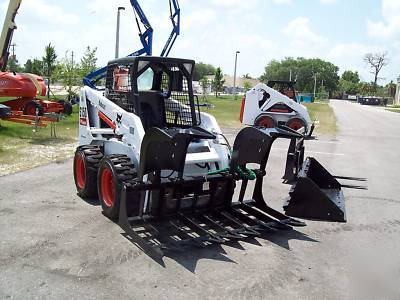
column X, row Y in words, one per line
column 164, row 171
column 265, row 106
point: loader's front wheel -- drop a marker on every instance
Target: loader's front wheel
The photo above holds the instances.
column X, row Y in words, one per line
column 113, row 172
column 265, row 121
column 86, row 164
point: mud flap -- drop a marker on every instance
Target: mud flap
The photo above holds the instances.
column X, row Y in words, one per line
column 316, row 195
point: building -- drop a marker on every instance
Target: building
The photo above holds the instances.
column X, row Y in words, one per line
column 397, row 97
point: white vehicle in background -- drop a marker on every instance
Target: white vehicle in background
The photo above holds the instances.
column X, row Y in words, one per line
column 264, row 106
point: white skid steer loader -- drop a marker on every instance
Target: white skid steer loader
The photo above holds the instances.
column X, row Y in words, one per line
column 266, row 107
column 165, row 172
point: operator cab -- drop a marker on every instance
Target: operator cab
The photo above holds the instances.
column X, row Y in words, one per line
column 284, row 87
column 157, row 89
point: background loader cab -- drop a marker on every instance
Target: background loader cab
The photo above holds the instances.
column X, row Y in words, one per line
column 284, row 87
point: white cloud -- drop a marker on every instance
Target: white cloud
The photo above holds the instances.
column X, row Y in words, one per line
column 389, row 28
column 302, row 39
column 328, row 1
column 283, row 1
column 49, row 12
column 235, row 4
column 349, row 56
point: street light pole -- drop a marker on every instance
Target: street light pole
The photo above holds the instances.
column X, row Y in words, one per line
column 117, row 35
column 234, row 76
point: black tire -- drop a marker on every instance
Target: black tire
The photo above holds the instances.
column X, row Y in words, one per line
column 119, row 169
column 265, row 121
column 31, row 107
column 91, row 157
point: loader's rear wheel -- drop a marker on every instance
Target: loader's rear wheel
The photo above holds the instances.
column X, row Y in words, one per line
column 86, row 165
column 67, row 107
column 265, row 121
column 114, row 171
column 295, row 123
column 31, row 107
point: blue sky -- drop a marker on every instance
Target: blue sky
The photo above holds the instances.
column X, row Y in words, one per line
column 340, row 31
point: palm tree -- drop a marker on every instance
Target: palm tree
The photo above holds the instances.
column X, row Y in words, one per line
column 49, row 63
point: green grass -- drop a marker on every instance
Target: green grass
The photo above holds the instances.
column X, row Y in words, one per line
column 226, row 110
column 393, row 110
column 325, row 116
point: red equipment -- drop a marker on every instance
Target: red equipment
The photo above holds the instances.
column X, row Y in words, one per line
column 23, row 86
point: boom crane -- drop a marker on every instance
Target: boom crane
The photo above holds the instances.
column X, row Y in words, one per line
column 175, row 16
column 146, row 38
column 7, row 32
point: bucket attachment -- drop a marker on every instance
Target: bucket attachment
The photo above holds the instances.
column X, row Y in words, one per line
column 161, row 214
column 316, row 195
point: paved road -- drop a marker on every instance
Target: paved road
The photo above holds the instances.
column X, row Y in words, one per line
column 55, row 245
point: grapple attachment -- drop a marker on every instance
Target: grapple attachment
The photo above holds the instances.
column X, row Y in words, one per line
column 169, row 213
column 316, row 195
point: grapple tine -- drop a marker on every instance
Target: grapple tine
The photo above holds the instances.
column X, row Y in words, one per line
column 280, row 216
column 200, row 230
column 151, row 250
column 263, row 217
column 226, row 233
column 243, row 228
column 187, row 238
column 257, row 225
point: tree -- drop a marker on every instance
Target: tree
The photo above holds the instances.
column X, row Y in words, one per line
column 37, row 67
column 246, row 86
column 349, row 83
column 303, row 71
column 13, row 65
column 88, row 61
column 28, row 66
column 218, row 82
column 247, row 76
column 351, row 76
column 205, row 84
column 49, row 60
column 376, row 62
column 201, row 70
column 67, row 72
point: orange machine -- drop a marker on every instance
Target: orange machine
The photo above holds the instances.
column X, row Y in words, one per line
column 23, row 86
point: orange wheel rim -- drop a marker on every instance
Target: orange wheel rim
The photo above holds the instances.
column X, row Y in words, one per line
column 80, row 171
column 107, row 187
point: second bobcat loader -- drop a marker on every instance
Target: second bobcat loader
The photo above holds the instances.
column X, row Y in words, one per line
column 164, row 171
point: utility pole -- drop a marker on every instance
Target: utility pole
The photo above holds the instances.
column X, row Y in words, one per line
column 315, row 85
column 234, row 76
column 14, row 58
column 117, row 35
column 290, row 76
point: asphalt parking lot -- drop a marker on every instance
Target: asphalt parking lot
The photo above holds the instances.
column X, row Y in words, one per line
column 55, row 245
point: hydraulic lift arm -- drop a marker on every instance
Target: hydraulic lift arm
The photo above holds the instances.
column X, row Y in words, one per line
column 7, row 32
column 146, row 38
column 175, row 16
